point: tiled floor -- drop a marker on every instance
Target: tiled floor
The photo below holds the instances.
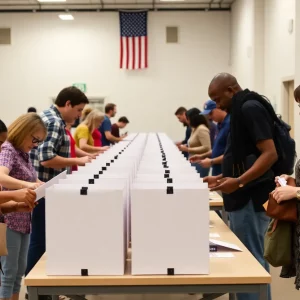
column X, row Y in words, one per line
column 282, row 289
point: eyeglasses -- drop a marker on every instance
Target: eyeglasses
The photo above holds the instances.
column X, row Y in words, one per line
column 36, row 140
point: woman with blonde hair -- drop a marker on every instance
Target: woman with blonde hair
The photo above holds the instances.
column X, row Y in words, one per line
column 17, row 172
column 96, row 134
column 83, row 133
column 74, row 150
column 87, row 110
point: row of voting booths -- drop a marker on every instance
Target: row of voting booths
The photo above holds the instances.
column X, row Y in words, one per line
column 141, row 193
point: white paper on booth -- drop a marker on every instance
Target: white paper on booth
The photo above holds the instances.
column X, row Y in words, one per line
column 224, row 245
column 41, row 190
column 221, row 254
column 214, row 235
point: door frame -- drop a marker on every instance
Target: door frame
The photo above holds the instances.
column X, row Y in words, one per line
column 285, row 100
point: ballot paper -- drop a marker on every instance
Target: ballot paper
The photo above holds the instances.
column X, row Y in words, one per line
column 41, row 190
column 282, row 181
column 214, row 235
column 221, row 254
column 223, row 245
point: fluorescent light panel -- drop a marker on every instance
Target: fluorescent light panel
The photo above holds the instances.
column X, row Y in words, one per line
column 51, row 1
column 172, row 0
column 66, row 17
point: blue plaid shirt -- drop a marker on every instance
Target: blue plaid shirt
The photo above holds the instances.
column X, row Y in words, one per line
column 56, row 143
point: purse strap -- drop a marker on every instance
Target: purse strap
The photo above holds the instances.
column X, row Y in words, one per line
column 273, row 227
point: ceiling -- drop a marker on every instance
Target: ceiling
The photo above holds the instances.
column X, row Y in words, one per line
column 111, row 5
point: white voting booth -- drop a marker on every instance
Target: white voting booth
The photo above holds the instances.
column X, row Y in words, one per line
column 169, row 214
column 89, row 237
column 141, row 188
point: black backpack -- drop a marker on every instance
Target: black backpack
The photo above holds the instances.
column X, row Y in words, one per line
column 285, row 145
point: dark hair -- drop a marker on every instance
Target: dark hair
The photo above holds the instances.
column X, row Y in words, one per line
column 181, row 110
column 72, row 94
column 3, row 127
column 123, row 120
column 31, row 109
column 109, row 107
column 193, row 115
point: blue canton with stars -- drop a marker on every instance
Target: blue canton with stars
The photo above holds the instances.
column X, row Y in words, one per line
column 133, row 23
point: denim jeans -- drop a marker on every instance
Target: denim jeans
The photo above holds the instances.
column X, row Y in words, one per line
column 250, row 227
column 14, row 264
column 202, row 171
column 37, row 239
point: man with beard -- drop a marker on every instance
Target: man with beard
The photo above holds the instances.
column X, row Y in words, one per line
column 250, row 153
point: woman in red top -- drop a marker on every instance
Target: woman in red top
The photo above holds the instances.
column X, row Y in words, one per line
column 97, row 138
column 74, row 150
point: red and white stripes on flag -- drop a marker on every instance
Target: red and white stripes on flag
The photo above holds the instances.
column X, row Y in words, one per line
column 134, row 52
column 133, row 40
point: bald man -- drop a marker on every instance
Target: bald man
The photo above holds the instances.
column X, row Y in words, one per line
column 247, row 177
column 297, row 94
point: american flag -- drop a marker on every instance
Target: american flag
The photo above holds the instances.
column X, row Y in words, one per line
column 134, row 40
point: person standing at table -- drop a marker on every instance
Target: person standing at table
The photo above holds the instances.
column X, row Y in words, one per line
column 115, row 128
column 199, row 142
column 31, row 109
column 52, row 157
column 74, row 150
column 3, row 133
column 214, row 158
column 212, row 131
column 247, row 177
column 105, row 128
column 180, row 113
column 97, row 137
column 83, row 133
column 17, row 172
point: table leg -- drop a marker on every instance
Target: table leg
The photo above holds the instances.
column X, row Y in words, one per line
column 231, row 296
column 32, row 293
column 224, row 216
column 263, row 292
column 211, row 296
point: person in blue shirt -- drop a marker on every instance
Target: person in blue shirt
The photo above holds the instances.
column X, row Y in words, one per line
column 214, row 159
column 105, row 129
column 181, row 116
column 212, row 130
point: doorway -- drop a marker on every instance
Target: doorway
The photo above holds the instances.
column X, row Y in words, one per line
column 288, row 104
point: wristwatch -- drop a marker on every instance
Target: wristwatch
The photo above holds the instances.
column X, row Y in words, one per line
column 298, row 194
column 241, row 184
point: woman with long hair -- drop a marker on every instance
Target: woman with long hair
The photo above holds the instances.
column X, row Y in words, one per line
column 17, row 172
column 83, row 133
column 14, row 201
column 199, row 141
column 96, row 134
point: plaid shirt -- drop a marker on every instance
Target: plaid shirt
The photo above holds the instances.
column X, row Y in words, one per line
column 56, row 143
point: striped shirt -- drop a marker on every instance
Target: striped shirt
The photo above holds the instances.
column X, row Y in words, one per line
column 56, row 143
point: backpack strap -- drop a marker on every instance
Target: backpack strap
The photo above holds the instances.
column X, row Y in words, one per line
column 275, row 223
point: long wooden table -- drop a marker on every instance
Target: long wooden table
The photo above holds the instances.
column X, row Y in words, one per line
column 216, row 204
column 242, row 273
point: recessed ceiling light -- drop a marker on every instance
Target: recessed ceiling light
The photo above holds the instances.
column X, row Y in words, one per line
column 49, row 1
column 66, row 17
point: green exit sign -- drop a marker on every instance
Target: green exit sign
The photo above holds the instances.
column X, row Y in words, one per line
column 81, row 86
